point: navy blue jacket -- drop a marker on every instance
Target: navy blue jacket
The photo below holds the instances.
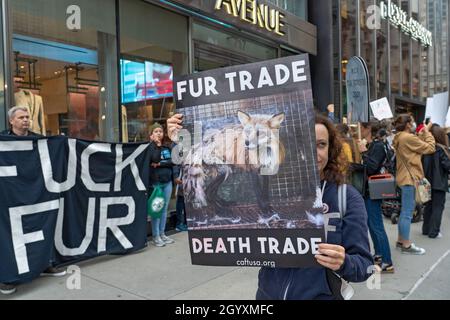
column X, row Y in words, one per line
column 311, row 283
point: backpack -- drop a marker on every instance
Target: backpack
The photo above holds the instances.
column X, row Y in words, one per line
column 340, row 288
column 390, row 164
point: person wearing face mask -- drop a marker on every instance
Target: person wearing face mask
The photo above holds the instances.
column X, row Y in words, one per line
column 409, row 150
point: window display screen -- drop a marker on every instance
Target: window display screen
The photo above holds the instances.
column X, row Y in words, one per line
column 145, row 81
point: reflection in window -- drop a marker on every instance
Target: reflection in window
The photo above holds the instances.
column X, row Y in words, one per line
column 382, row 60
column 296, row 7
column 406, row 59
column 395, row 60
column 153, row 51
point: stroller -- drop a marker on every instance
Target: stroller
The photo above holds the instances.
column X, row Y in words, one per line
column 391, row 209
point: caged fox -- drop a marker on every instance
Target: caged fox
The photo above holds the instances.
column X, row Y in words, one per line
column 251, row 146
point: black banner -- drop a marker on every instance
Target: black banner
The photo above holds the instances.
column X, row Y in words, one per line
column 65, row 200
column 250, row 177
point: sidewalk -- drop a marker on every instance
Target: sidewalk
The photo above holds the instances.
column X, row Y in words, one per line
column 166, row 273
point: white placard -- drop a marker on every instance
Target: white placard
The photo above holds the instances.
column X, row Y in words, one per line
column 437, row 108
column 381, row 109
column 447, row 121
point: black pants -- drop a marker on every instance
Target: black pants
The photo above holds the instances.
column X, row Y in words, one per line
column 433, row 214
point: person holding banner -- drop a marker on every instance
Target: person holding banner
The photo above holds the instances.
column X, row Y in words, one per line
column 409, row 150
column 346, row 253
column 19, row 121
column 162, row 173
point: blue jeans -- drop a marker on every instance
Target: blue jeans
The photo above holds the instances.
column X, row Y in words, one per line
column 377, row 231
column 159, row 225
column 408, row 205
column 181, row 213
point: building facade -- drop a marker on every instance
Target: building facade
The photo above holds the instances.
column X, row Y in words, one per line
column 103, row 69
column 406, row 64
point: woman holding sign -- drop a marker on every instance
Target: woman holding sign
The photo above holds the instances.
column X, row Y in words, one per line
column 347, row 253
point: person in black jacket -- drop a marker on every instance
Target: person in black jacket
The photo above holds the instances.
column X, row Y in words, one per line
column 436, row 168
column 374, row 160
column 162, row 172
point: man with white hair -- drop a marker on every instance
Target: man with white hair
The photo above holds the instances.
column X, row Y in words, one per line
column 19, row 120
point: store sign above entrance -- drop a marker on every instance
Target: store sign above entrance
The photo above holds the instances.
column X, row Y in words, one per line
column 399, row 18
column 252, row 12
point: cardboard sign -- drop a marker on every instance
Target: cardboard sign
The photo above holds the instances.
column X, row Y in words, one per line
column 357, row 90
column 437, row 108
column 250, row 178
column 381, row 109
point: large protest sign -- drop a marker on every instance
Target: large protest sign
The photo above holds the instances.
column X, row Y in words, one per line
column 66, row 200
column 250, row 178
column 357, row 80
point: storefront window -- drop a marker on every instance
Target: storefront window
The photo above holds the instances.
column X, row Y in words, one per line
column 416, row 54
column 406, row 59
column 3, row 120
column 382, row 60
column 348, row 21
column 367, row 44
column 424, row 53
column 215, row 49
column 296, row 7
column 431, row 50
column 65, row 66
column 154, row 49
column 445, row 57
column 395, row 60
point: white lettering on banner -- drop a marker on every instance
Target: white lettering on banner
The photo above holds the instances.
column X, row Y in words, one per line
column 85, row 172
column 278, row 69
column 267, row 245
column 59, row 244
column 231, row 76
column 11, row 146
column 245, row 78
column 47, row 170
column 279, row 75
column 130, row 161
column 20, row 239
column 114, row 223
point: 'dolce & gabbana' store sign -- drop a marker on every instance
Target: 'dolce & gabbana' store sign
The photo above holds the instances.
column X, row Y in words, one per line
column 255, row 13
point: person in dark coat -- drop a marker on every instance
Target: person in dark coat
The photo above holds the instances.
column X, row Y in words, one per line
column 436, row 168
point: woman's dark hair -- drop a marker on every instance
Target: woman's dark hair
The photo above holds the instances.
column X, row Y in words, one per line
column 402, row 121
column 343, row 129
column 439, row 135
column 337, row 164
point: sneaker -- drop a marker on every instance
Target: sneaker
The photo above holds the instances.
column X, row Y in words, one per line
column 413, row 250
column 439, row 236
column 166, row 239
column 398, row 245
column 54, row 272
column 7, row 289
column 387, row 268
column 181, row 228
column 157, row 241
column 377, row 260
